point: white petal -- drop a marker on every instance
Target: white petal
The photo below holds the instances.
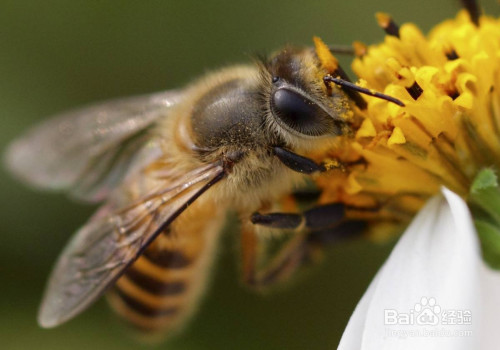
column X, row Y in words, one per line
column 437, row 257
column 490, row 282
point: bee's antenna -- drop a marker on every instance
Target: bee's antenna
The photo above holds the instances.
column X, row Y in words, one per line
column 358, row 89
column 338, row 76
column 345, row 82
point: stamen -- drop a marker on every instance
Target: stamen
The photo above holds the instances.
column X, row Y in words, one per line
column 451, row 55
column 358, row 89
column 453, row 94
column 454, row 175
column 388, row 25
column 328, row 61
column 472, row 7
column 360, row 49
column 415, row 90
column 342, row 50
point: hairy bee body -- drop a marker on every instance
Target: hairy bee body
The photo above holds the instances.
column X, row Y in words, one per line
column 221, row 116
column 167, row 168
column 161, row 289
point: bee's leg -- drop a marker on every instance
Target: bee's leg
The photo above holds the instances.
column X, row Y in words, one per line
column 345, row 230
column 309, row 232
column 283, row 264
column 317, row 218
column 297, row 163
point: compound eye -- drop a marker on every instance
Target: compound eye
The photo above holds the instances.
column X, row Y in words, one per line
column 301, row 114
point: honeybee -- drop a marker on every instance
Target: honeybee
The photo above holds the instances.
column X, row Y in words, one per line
column 167, row 168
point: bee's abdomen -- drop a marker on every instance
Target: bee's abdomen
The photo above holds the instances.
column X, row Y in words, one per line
column 151, row 294
column 161, row 288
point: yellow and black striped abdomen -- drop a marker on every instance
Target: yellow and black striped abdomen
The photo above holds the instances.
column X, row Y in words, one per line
column 160, row 290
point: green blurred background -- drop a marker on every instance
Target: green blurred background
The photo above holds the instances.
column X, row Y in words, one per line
column 56, row 55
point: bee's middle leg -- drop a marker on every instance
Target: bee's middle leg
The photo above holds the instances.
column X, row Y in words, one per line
column 311, row 231
column 279, row 268
column 313, row 219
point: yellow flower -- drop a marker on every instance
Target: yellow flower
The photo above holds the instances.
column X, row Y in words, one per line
column 446, row 132
column 435, row 128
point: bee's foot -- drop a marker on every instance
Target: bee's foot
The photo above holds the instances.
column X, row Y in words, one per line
column 344, row 230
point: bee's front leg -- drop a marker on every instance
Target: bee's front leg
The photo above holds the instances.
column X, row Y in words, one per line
column 297, row 163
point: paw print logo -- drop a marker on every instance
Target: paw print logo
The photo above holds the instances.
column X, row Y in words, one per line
column 427, row 312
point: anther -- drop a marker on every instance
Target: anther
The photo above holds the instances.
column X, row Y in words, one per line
column 451, row 55
column 358, row 89
column 453, row 94
column 360, row 49
column 415, row 90
column 388, row 25
column 472, row 7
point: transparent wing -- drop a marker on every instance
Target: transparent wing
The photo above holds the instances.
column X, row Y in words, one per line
column 102, row 249
column 90, row 149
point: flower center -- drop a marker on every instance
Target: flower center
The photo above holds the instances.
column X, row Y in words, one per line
column 443, row 133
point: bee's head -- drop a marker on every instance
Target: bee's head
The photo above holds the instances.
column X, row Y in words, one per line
column 297, row 99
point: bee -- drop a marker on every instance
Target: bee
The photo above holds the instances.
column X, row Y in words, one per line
column 167, row 168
